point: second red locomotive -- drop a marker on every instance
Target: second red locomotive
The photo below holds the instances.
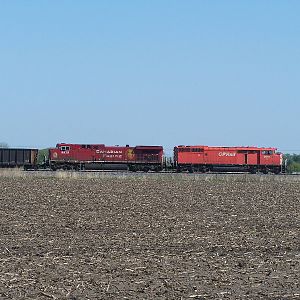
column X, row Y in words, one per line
column 249, row 159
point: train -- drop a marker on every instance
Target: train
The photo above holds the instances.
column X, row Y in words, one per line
column 186, row 158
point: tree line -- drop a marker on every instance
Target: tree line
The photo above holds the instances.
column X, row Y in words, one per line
column 3, row 145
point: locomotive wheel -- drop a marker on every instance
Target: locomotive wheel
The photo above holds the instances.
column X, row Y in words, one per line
column 277, row 171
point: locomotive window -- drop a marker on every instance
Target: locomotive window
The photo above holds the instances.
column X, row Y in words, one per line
column 196, row 150
column 64, row 148
column 190, row 150
column 266, row 152
column 86, row 146
column 184, row 150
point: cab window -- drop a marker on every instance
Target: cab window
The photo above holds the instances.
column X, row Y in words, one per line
column 267, row 152
column 65, row 148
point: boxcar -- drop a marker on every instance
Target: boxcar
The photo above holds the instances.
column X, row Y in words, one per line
column 99, row 156
column 15, row 157
column 249, row 159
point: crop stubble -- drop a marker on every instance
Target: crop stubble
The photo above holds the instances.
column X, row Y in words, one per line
column 148, row 238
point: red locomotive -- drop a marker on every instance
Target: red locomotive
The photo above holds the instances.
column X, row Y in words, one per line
column 205, row 158
column 99, row 156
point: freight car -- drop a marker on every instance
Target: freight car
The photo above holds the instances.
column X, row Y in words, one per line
column 13, row 157
column 101, row 157
column 247, row 159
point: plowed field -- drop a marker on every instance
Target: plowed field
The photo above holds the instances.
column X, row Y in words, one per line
column 148, row 238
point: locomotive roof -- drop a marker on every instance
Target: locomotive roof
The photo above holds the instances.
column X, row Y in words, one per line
column 118, row 146
column 148, row 147
column 227, row 148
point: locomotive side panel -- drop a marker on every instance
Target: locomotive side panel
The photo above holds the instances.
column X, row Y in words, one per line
column 185, row 155
column 252, row 158
column 222, row 157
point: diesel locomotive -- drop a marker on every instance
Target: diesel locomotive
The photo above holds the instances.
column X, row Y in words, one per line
column 101, row 157
column 246, row 159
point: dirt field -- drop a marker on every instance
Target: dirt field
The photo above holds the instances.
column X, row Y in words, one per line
column 155, row 238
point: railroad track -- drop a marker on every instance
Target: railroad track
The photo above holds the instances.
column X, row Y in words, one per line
column 106, row 174
column 162, row 172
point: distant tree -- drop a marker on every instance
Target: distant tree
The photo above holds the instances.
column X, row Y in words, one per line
column 42, row 155
column 3, row 145
column 293, row 162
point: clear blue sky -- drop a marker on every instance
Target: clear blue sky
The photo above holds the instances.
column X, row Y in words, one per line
column 150, row 72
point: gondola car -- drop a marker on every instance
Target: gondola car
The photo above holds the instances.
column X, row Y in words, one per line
column 16, row 157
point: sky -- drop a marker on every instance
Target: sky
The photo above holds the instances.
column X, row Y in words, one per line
column 150, row 73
